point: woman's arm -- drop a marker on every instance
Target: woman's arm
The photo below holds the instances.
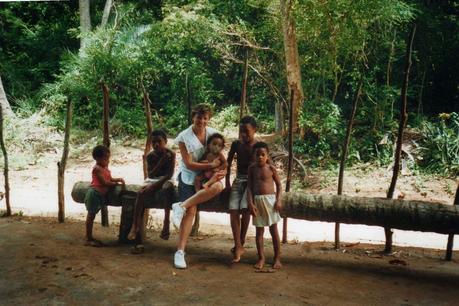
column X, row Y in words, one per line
column 192, row 165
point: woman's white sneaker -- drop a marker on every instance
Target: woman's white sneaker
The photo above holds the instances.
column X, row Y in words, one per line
column 179, row 260
column 177, row 214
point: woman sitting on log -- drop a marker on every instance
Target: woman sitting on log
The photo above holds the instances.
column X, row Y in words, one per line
column 192, row 144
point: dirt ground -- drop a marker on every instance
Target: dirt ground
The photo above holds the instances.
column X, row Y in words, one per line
column 43, row 262
column 46, row 263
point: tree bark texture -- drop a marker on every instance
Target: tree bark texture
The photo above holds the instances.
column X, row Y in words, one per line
column 106, row 13
column 399, row 214
column 62, row 164
column 85, row 19
column 5, row 165
column 347, row 140
column 401, row 127
column 4, row 103
column 291, row 58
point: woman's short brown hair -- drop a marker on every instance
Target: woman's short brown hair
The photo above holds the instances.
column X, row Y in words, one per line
column 201, row 110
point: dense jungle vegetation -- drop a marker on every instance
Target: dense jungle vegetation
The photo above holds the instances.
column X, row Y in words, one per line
column 171, row 47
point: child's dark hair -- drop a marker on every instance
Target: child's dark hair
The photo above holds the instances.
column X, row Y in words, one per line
column 260, row 145
column 100, row 151
column 159, row 133
column 216, row 135
column 249, row 120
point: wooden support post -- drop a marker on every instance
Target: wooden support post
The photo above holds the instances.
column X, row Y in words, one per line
column 62, row 163
column 347, row 140
column 5, row 165
column 449, row 246
column 106, row 141
column 148, row 145
column 403, row 118
column 290, row 160
column 243, row 105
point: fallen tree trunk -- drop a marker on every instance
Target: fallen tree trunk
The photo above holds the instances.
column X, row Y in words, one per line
column 398, row 214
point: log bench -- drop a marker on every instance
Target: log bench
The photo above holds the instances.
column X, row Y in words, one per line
column 398, row 214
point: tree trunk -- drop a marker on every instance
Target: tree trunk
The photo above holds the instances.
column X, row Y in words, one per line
column 106, row 14
column 401, row 127
column 389, row 61
column 279, row 118
column 421, row 91
column 106, row 141
column 399, row 214
column 347, row 140
column 85, row 20
column 243, row 105
column 4, row 104
column 449, row 246
column 61, row 165
column 292, row 62
column 5, row 166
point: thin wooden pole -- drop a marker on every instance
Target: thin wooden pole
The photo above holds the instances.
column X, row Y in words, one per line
column 403, row 118
column 149, row 125
column 243, row 106
column 290, row 160
column 347, row 140
column 63, row 162
column 148, row 143
column 106, row 141
column 449, row 246
column 5, row 167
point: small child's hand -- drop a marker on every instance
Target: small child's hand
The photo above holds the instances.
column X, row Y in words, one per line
column 253, row 210
column 277, row 206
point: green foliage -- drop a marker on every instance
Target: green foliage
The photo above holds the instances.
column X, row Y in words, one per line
column 323, row 126
column 226, row 120
column 440, row 145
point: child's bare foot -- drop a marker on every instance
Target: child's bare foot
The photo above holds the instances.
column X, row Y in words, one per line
column 164, row 234
column 94, row 243
column 132, row 233
column 277, row 264
column 260, row 264
column 237, row 254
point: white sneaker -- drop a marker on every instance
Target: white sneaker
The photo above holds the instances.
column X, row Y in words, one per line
column 177, row 214
column 179, row 260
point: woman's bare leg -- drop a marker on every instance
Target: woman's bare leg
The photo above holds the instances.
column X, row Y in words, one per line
column 190, row 205
column 203, row 195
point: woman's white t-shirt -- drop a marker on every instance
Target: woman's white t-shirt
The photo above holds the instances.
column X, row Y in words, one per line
column 195, row 148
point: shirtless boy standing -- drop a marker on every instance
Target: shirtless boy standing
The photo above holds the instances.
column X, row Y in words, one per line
column 264, row 201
